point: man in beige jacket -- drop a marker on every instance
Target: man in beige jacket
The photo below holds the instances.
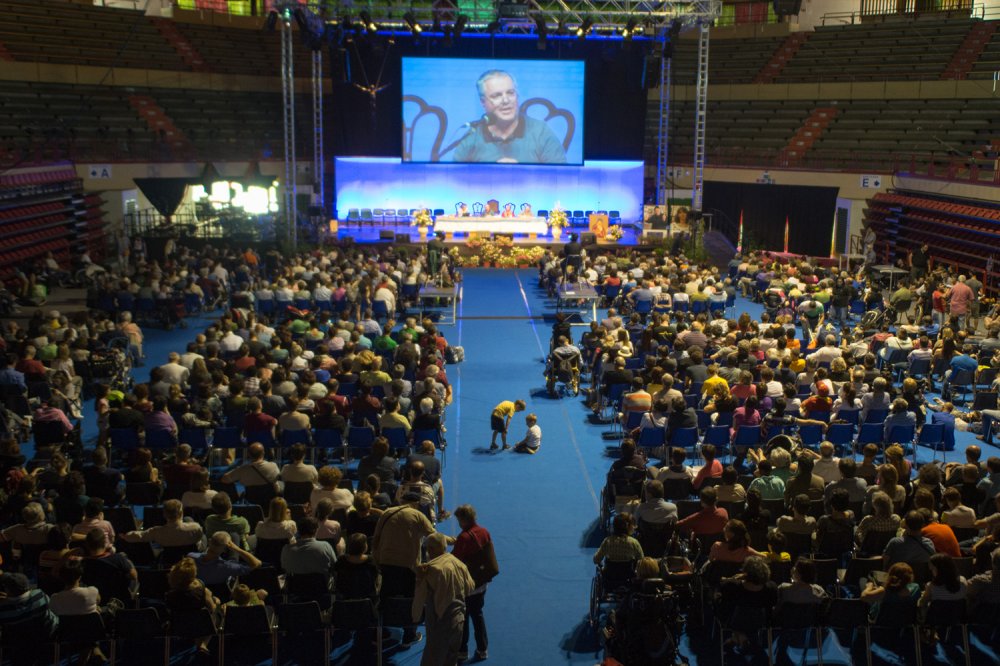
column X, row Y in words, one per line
column 443, row 583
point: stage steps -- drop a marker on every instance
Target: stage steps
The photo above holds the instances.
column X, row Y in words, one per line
column 161, row 124
column 184, row 48
column 718, row 248
column 969, row 52
column 785, row 52
column 806, row 136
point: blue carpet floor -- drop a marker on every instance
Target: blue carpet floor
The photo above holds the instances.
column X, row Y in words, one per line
column 541, row 510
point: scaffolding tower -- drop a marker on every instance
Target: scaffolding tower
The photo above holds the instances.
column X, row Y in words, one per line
column 700, row 118
column 288, row 120
column 319, row 175
column 663, row 131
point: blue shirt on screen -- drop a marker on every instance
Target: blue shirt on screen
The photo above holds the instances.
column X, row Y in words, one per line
column 533, row 142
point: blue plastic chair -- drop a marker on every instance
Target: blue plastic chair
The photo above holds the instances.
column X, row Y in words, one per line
column 811, row 435
column 877, row 416
column 932, row 436
column 651, row 438
column 398, row 440
column 747, row 436
column 360, row 440
column 124, row 439
column 870, row 433
column 841, row 435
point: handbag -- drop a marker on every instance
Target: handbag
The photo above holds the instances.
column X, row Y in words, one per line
column 482, row 565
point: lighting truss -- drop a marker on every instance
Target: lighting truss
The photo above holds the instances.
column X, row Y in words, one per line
column 607, row 16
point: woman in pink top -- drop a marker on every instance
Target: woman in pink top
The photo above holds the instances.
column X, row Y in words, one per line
column 736, row 546
column 747, row 415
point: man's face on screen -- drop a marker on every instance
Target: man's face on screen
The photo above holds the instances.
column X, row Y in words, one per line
column 500, row 99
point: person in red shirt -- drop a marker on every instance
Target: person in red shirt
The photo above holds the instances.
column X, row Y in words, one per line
column 712, row 468
column 256, row 421
column 941, row 535
column 710, row 520
column 30, row 367
column 468, row 544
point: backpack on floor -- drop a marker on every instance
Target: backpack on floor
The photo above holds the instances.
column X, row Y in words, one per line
column 454, row 354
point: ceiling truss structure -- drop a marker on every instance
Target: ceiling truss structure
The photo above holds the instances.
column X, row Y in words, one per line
column 645, row 20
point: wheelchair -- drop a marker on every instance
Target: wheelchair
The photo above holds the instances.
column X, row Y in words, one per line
column 610, row 585
column 643, row 631
column 621, row 485
column 562, row 370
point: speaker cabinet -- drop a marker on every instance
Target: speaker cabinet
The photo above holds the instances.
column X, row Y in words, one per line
column 386, row 234
column 588, row 238
column 402, row 238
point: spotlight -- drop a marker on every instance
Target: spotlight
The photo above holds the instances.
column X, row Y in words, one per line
column 561, row 27
column 411, row 23
column 366, row 20
column 629, row 30
column 584, row 28
column 459, row 25
column 542, row 31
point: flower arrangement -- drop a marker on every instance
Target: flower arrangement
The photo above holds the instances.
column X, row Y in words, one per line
column 422, row 218
column 558, row 219
column 615, row 232
column 499, row 252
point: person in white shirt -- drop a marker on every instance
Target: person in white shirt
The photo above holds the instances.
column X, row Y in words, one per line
column 532, row 438
column 230, row 343
column 828, row 351
column 827, row 466
column 958, row 515
column 174, row 372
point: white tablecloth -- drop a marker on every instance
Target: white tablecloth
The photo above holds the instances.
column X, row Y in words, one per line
column 492, row 224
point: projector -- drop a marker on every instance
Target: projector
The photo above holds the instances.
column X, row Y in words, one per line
column 507, row 11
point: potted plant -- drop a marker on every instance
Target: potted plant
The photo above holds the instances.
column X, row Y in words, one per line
column 422, row 220
column 557, row 221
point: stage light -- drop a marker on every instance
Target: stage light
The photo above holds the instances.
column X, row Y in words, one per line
column 542, row 31
column 411, row 23
column 370, row 26
column 629, row 29
column 493, row 27
column 459, row 25
column 584, row 28
column 561, row 27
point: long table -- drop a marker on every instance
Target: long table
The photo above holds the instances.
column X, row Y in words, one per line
column 432, row 291
column 569, row 294
column 491, row 224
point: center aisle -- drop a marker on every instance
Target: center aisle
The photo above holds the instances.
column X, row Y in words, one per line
column 542, row 509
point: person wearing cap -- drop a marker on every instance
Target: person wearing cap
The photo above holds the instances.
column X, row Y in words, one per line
column 821, row 402
column 27, row 607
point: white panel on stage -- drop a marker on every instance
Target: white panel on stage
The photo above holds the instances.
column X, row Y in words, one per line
column 387, row 182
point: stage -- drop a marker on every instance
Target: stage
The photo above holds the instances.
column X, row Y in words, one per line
column 367, row 186
column 401, row 232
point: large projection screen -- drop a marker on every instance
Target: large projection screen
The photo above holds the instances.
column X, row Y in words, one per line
column 493, row 111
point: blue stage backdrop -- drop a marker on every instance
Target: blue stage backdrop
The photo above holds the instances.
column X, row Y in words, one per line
column 387, row 182
column 442, row 109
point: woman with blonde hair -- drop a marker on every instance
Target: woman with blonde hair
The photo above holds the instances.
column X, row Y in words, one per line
column 187, row 593
column 278, row 523
column 888, row 483
column 329, row 482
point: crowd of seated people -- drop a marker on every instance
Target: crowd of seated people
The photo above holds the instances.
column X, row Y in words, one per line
column 275, row 443
column 753, row 402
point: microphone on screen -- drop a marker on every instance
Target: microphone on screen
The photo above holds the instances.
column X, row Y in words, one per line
column 482, row 120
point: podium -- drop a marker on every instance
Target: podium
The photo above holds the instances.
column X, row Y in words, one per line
column 598, row 225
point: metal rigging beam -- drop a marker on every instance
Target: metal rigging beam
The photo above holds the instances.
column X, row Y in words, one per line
column 663, row 132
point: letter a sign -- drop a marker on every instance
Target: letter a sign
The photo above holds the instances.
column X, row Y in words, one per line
column 99, row 171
